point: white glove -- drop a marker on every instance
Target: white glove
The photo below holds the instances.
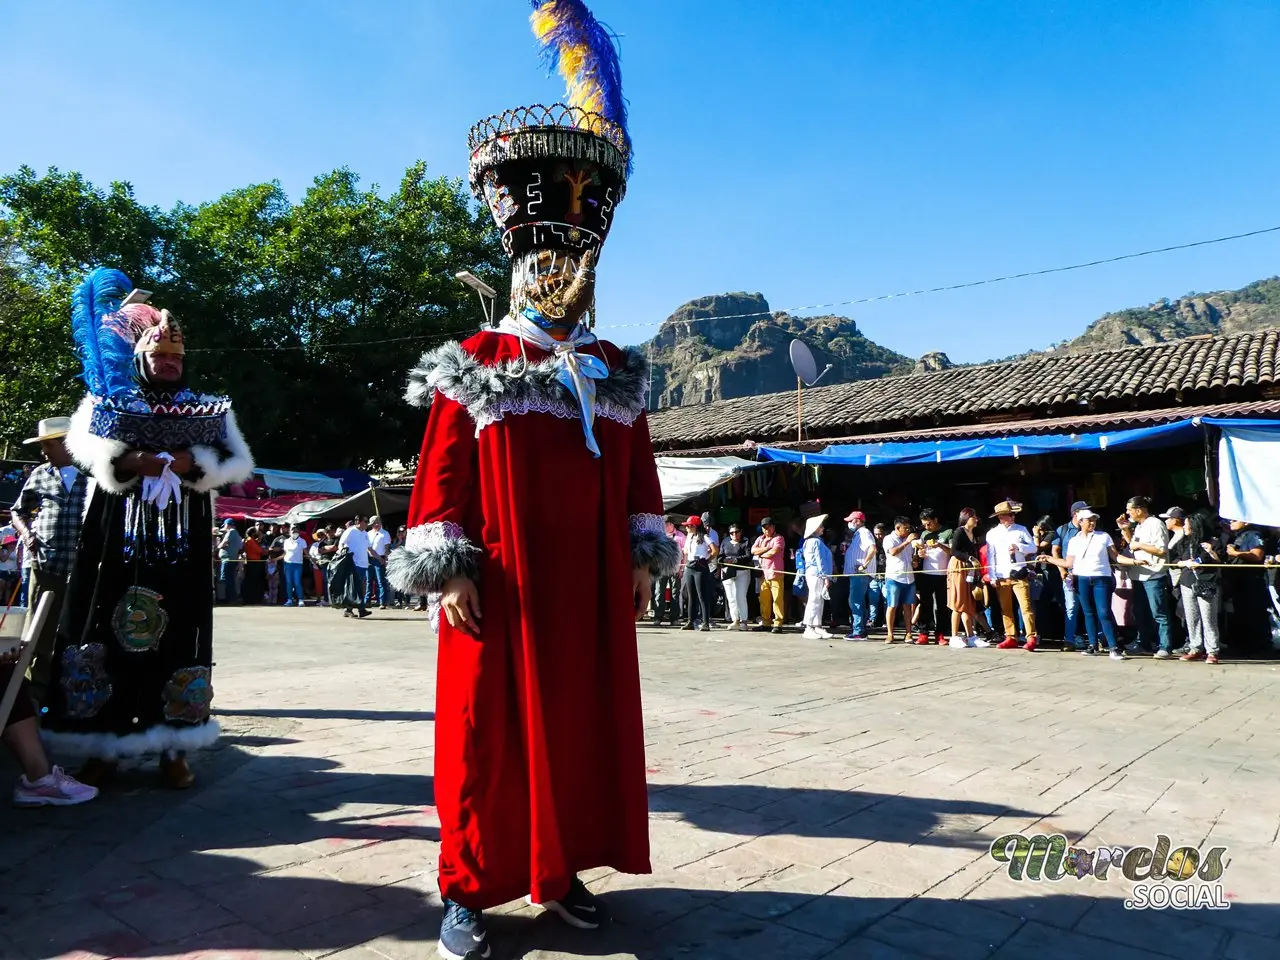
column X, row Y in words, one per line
column 160, row 490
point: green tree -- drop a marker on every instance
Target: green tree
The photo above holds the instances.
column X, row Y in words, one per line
column 309, row 315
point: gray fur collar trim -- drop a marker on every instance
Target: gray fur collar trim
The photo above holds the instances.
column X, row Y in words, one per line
column 491, row 392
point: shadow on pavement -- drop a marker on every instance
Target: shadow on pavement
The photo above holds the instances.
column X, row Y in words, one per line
column 854, row 814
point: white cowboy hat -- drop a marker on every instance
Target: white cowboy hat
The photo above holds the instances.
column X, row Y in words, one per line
column 51, row 429
column 812, row 524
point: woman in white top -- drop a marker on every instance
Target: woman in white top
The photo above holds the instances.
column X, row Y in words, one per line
column 1090, row 555
column 699, row 551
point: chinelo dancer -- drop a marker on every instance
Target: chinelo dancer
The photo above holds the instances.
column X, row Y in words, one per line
column 539, row 761
column 131, row 671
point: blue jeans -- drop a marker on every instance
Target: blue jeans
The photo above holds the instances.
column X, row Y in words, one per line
column 1151, row 611
column 293, row 583
column 1071, row 606
column 875, row 602
column 859, row 590
column 379, row 588
column 227, row 571
column 1094, row 597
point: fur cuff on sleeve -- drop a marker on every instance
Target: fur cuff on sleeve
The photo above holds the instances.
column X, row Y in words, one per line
column 433, row 554
column 221, row 467
column 96, row 455
column 651, row 547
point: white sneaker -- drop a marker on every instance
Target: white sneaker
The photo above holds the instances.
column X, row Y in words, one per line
column 958, row 642
column 1117, row 655
column 823, row 633
column 978, row 642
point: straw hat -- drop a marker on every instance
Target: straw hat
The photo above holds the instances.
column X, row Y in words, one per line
column 51, row 429
column 812, row 524
column 1007, row 508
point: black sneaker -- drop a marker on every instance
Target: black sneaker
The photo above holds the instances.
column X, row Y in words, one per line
column 462, row 934
column 579, row 907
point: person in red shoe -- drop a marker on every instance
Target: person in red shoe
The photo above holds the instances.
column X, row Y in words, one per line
column 1010, row 547
column 539, row 734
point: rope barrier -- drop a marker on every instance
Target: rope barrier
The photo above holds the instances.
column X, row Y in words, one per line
column 1020, row 563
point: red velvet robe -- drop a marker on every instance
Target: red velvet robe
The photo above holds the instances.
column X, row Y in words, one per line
column 539, row 763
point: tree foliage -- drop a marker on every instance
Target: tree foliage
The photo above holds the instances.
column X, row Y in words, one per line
column 308, row 314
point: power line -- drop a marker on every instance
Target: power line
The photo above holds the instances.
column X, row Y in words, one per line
column 971, row 283
column 335, row 346
column 801, row 309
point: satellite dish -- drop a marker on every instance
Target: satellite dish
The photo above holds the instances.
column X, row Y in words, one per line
column 802, row 362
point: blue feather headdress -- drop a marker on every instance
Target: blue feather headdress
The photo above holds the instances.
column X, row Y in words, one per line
column 104, row 341
column 584, row 51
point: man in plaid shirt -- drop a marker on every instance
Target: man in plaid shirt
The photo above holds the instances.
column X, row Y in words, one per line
column 47, row 516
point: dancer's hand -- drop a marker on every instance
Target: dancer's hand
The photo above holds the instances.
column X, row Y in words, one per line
column 461, row 604
column 183, row 463
column 642, row 587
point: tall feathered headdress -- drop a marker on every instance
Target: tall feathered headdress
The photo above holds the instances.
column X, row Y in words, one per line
column 583, row 50
column 553, row 176
column 103, row 337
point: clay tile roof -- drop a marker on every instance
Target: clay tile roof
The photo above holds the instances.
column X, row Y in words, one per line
column 1048, row 385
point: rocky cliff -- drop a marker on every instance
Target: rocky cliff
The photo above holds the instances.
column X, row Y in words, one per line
column 733, row 345
column 1255, row 307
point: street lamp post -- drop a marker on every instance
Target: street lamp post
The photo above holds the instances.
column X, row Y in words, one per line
column 488, row 296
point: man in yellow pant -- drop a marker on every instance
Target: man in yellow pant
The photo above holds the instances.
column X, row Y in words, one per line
column 771, row 550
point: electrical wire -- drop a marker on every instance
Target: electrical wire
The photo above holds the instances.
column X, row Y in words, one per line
column 969, row 284
column 801, row 309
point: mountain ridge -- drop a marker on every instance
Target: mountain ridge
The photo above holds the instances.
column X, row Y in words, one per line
column 730, row 345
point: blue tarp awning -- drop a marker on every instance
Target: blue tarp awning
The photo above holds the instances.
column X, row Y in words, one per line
column 1029, row 445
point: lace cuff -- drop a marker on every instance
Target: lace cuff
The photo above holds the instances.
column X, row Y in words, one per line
column 651, row 547
column 433, row 554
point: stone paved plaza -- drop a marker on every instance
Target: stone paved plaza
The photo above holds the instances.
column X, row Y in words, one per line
column 808, row 800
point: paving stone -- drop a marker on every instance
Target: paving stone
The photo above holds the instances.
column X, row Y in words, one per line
column 806, row 800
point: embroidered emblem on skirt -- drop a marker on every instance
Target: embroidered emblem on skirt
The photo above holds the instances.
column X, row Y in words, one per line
column 188, row 694
column 85, row 685
column 139, row 621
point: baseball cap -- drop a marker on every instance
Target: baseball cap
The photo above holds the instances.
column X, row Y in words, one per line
column 1174, row 513
column 1078, row 506
column 856, row 515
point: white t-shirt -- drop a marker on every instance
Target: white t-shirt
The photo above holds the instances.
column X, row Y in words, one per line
column 934, row 559
column 294, row 549
column 697, row 548
column 357, row 541
column 1089, row 552
column 1150, row 531
column 380, row 541
column 898, row 567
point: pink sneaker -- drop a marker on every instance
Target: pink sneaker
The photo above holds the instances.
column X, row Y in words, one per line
column 55, row 790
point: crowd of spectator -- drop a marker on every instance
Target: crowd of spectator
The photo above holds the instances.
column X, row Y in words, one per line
column 295, row 565
column 1174, row 584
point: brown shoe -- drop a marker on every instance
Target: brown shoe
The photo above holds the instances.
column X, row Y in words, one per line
column 96, row 773
column 176, row 774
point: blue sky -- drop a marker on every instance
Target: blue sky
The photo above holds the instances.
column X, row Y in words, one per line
column 813, row 152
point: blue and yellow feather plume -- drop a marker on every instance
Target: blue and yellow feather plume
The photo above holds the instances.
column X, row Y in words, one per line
column 583, row 50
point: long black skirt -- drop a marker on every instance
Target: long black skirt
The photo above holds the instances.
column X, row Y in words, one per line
column 134, row 654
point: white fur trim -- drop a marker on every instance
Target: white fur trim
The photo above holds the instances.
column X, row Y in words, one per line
column 109, row 746
column 218, row 472
column 96, row 455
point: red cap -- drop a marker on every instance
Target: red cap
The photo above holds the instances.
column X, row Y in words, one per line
column 856, row 515
column 693, row 522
